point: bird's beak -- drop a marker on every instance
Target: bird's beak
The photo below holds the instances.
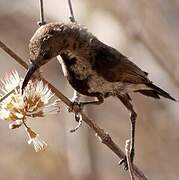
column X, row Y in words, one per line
column 32, row 68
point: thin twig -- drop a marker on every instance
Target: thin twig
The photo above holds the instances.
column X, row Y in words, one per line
column 13, row 55
column 71, row 17
column 129, row 163
column 105, row 138
column 42, row 19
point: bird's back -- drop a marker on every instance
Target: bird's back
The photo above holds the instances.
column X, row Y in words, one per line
column 102, row 69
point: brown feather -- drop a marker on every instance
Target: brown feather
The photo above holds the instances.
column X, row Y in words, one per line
column 115, row 67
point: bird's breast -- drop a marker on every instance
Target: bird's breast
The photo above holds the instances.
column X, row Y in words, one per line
column 87, row 81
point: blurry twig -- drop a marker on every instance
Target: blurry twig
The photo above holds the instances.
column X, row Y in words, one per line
column 158, row 58
column 71, row 17
column 105, row 137
column 42, row 20
column 128, row 150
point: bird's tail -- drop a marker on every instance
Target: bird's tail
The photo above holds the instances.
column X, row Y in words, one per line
column 155, row 92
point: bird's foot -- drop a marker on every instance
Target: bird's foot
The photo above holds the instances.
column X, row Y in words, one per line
column 78, row 118
column 124, row 161
column 76, row 107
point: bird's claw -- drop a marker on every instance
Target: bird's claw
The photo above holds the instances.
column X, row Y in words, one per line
column 124, row 163
column 76, row 107
column 77, row 117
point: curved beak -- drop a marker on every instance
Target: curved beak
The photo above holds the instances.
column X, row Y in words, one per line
column 32, row 68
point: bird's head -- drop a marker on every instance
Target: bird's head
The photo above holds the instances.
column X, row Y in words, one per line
column 47, row 42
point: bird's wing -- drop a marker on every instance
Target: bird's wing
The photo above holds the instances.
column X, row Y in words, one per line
column 115, row 67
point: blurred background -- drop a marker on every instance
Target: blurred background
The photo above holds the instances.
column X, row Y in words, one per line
column 148, row 33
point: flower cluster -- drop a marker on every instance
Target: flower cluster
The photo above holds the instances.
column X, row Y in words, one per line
column 34, row 102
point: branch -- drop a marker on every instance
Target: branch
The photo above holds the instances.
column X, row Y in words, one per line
column 13, row 55
column 71, row 17
column 128, row 153
column 105, row 137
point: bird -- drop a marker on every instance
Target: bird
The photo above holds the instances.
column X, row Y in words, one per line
column 92, row 68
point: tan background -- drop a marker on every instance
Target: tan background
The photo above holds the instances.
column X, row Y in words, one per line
column 148, row 33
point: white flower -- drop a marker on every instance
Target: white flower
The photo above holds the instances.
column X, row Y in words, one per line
column 35, row 140
column 38, row 90
column 33, row 103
